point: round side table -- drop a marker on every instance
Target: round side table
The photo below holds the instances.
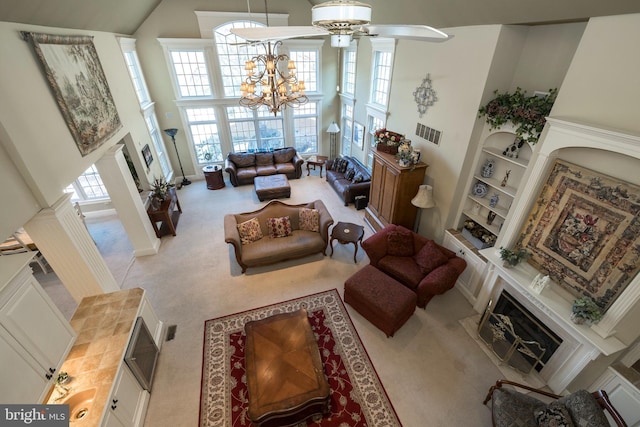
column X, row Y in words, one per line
column 213, row 176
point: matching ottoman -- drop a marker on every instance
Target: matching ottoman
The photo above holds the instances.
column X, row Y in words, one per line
column 272, row 186
column 383, row 301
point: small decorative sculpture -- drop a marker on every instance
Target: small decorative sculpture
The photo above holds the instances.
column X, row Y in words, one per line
column 491, row 217
column 487, row 168
column 493, row 201
column 513, row 150
column 505, row 179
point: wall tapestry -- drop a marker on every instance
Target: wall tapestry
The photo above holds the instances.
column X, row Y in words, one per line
column 584, row 230
column 75, row 76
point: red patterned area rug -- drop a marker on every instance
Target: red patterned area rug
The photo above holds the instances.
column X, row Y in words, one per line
column 357, row 396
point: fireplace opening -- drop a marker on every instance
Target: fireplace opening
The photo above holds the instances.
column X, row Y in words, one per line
column 516, row 336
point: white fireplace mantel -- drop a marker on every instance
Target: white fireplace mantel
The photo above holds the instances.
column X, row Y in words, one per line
column 580, row 343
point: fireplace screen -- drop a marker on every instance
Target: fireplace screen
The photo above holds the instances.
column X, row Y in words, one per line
column 516, row 336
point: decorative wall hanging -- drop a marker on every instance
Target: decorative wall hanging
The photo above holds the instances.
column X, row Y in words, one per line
column 358, row 134
column 146, row 153
column 76, row 78
column 584, row 230
column 424, row 95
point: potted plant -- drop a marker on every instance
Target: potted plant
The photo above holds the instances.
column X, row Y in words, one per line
column 159, row 192
column 512, row 258
column 527, row 113
column 585, row 309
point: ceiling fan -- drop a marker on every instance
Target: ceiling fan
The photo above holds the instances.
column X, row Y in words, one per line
column 342, row 19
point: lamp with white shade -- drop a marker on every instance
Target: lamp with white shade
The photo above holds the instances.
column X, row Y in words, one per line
column 423, row 200
column 333, row 130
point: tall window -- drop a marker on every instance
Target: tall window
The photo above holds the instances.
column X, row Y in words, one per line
column 347, row 128
column 349, row 70
column 140, row 86
column 382, row 67
column 203, row 128
column 223, row 61
column 374, row 122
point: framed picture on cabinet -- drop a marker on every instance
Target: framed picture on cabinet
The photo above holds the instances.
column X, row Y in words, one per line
column 358, row 134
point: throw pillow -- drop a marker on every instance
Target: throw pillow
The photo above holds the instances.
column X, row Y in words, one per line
column 344, row 165
column 554, row 415
column 279, row 227
column 309, row 219
column 349, row 174
column 430, row 257
column 400, row 243
column 249, row 231
column 358, row 177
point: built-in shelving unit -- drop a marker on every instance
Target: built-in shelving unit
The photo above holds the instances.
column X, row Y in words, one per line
column 477, row 207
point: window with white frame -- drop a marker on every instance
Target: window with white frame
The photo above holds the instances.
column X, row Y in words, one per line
column 88, row 186
column 254, row 130
column 347, row 128
column 382, row 67
column 203, row 128
column 224, row 62
column 191, row 73
column 140, row 86
column 349, row 69
column 374, row 121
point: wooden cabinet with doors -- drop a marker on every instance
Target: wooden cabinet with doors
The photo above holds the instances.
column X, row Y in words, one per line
column 392, row 188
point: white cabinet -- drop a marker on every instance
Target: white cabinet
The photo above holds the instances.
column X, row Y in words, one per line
column 127, row 404
column 32, row 329
column 624, row 396
column 482, row 187
column 470, row 280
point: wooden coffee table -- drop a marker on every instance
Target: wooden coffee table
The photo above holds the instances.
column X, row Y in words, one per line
column 346, row 232
column 316, row 161
column 285, row 376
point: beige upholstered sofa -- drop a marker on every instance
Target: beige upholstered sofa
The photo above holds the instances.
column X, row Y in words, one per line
column 269, row 250
column 243, row 167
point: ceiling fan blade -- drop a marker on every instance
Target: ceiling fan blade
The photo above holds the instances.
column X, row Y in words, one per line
column 407, row 32
column 277, row 33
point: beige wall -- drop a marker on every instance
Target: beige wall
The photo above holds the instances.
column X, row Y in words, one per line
column 36, row 137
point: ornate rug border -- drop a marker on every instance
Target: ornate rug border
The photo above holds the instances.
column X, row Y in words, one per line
column 347, row 342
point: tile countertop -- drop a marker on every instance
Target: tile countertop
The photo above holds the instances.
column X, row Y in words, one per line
column 104, row 324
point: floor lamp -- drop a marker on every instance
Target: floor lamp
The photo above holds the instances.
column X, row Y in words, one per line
column 172, row 133
column 423, row 200
column 333, row 130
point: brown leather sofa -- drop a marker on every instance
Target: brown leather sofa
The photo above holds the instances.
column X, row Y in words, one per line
column 418, row 263
column 348, row 177
column 243, row 167
column 272, row 250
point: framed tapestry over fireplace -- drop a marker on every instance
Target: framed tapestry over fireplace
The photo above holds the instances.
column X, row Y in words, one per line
column 584, row 230
column 76, row 78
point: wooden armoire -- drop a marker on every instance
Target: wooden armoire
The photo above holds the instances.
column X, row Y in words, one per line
column 392, row 188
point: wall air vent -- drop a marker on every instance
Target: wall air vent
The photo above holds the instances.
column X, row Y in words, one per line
column 430, row 134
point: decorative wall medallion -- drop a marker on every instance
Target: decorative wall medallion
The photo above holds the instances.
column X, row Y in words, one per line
column 480, row 189
column 424, row 95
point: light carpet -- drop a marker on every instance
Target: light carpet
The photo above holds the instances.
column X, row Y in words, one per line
column 357, row 396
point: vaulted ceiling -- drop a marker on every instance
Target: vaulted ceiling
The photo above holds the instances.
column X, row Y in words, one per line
column 125, row 16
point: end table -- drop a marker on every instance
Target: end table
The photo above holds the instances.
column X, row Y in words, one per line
column 213, row 176
column 316, row 161
column 346, row 232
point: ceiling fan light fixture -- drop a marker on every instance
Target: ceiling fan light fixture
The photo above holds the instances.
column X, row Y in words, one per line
column 340, row 40
column 342, row 13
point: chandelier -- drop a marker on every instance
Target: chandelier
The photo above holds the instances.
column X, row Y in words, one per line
column 268, row 84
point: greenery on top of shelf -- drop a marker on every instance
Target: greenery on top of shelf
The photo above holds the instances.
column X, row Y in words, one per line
column 512, row 258
column 585, row 308
column 527, row 113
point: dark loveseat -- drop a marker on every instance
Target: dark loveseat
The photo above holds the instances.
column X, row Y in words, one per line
column 348, row 177
column 243, row 167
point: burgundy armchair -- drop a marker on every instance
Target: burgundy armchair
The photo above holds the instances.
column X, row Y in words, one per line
column 419, row 263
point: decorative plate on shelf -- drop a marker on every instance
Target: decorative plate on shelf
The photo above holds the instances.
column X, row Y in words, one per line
column 480, row 189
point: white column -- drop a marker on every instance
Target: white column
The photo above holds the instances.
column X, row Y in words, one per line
column 69, row 249
column 124, row 195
